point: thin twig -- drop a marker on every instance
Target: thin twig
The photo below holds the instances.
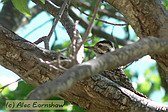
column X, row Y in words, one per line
column 103, row 12
column 74, row 44
column 40, row 40
column 100, row 19
column 128, row 32
column 90, row 68
column 3, row 87
column 97, row 31
column 115, row 40
column 62, row 9
column 65, row 4
column 89, row 28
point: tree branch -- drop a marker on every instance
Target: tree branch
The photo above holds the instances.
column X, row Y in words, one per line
column 69, row 25
column 110, row 13
column 141, row 15
column 148, row 18
column 108, row 61
column 16, row 51
column 97, row 31
column 46, row 39
column 54, row 10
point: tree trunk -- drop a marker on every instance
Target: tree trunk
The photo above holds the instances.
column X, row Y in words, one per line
column 98, row 93
column 148, row 18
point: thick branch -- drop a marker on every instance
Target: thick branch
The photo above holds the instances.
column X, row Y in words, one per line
column 22, row 56
column 69, row 25
column 18, row 54
column 54, row 10
column 148, row 18
column 108, row 61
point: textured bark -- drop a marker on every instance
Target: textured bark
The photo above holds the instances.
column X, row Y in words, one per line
column 98, row 93
column 145, row 16
column 148, row 18
column 69, row 25
column 109, row 61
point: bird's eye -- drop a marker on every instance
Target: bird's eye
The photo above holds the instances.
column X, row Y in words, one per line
column 100, row 45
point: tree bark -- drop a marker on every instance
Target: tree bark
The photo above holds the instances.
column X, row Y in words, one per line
column 148, row 18
column 98, row 93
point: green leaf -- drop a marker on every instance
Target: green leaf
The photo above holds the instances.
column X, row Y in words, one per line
column 22, row 6
column 165, row 4
column 43, row 1
column 165, row 98
column 144, row 87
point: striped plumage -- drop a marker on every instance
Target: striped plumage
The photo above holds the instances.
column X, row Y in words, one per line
column 103, row 47
column 116, row 75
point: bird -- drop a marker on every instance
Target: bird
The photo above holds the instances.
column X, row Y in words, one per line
column 102, row 47
column 117, row 75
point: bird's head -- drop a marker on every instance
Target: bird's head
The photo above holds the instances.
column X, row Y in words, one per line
column 102, row 47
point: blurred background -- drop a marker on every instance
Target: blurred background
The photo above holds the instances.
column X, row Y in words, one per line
column 143, row 73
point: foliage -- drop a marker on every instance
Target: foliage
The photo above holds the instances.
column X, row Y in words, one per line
column 22, row 6
column 21, row 93
column 151, row 81
column 149, row 84
column 165, row 3
column 43, row 1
